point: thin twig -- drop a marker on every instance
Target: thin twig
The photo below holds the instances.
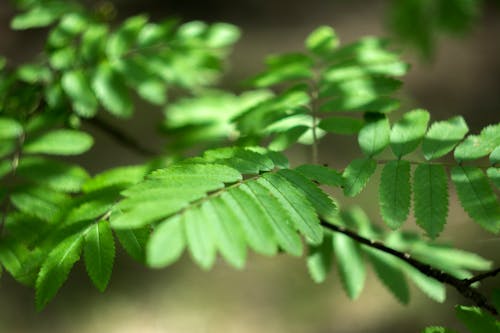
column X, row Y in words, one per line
column 462, row 286
column 482, row 276
column 123, row 138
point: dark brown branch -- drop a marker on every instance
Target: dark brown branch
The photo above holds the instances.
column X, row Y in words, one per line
column 482, row 276
column 462, row 286
column 121, row 137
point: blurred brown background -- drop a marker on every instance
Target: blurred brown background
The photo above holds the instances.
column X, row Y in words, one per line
column 270, row 295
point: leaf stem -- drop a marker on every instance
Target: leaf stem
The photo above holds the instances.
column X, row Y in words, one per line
column 463, row 286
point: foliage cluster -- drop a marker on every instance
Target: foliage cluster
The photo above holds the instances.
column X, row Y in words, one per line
column 240, row 193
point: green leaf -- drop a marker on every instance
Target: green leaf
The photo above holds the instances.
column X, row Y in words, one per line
column 222, row 35
column 477, row 146
column 300, row 210
column 56, row 268
column 121, row 176
column 395, row 193
column 407, row 133
column 124, row 38
column 357, row 174
column 226, row 231
column 111, row 91
column 429, row 286
column 319, row 259
column 350, row 264
column 442, row 137
column 134, row 241
column 40, row 202
column 494, row 175
column 59, row 142
column 389, row 272
column 39, row 16
column 14, row 257
column 341, row 125
column 322, row 41
column 253, row 220
column 9, row 128
column 77, row 86
column 166, row 243
column 99, row 254
column 323, row 204
column 321, row 174
column 477, row 320
column 477, row 197
column 374, row 136
column 430, row 187
column 54, row 174
column 201, row 243
column 277, row 217
column 495, row 156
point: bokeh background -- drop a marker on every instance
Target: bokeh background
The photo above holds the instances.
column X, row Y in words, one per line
column 269, row 295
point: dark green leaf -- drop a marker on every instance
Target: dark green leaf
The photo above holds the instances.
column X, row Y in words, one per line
column 430, row 186
column 99, row 254
column 374, row 136
column 395, row 193
column 443, row 136
column 407, row 133
column 477, row 320
column 321, row 174
column 134, row 241
column 357, row 174
column 56, row 268
column 341, row 125
column 477, row 197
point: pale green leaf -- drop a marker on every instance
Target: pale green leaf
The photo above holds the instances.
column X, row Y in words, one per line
column 442, row 137
column 477, row 197
column 350, row 264
column 40, row 202
column 226, row 231
column 9, row 128
column 357, row 174
column 277, row 217
column 319, row 259
column 201, row 244
column 99, row 254
column 374, row 136
column 395, row 193
column 430, row 187
column 299, row 208
column 222, row 35
column 39, row 16
column 407, row 133
column 322, row 41
column 324, row 205
column 477, row 146
column 253, row 220
column 77, row 86
column 429, row 286
column 166, row 243
column 56, row 268
column 495, row 156
column 59, row 142
column 110, row 89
